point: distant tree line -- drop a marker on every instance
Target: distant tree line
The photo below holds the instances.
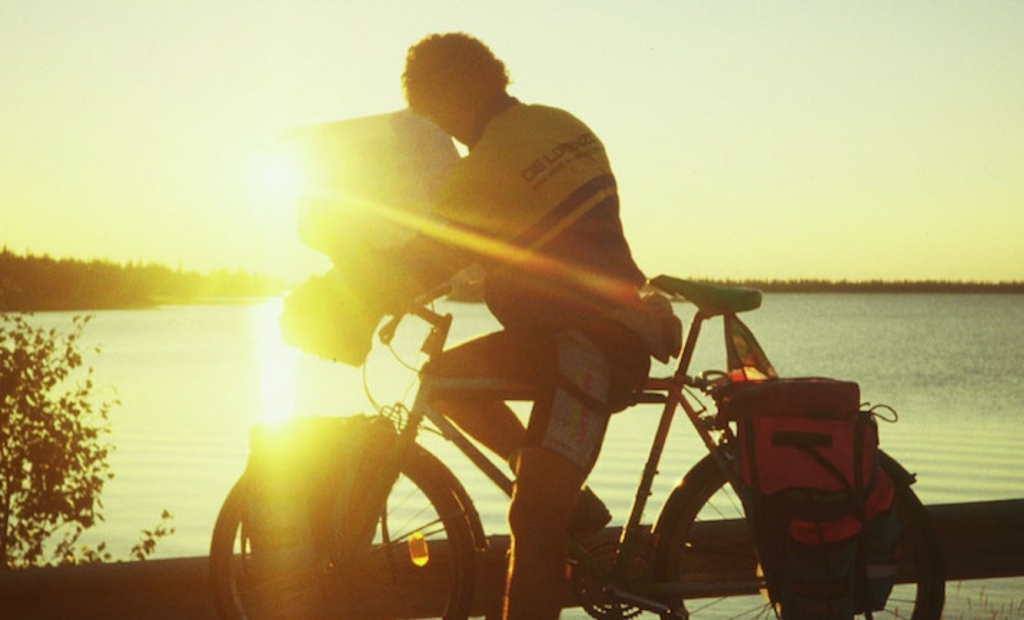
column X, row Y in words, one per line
column 40, row 283
column 472, row 291
column 875, row 286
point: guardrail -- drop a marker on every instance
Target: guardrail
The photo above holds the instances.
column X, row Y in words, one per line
column 980, row 540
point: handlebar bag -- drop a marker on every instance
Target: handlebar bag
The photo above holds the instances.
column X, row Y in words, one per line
column 815, row 494
column 334, row 315
column 319, row 317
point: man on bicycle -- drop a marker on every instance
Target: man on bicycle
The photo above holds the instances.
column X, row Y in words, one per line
column 535, row 203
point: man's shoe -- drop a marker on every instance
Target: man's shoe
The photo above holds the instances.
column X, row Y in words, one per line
column 590, row 514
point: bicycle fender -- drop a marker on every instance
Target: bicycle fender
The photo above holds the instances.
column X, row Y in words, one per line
column 678, row 499
column 899, row 474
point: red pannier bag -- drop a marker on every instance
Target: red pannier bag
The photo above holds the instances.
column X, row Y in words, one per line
column 812, row 488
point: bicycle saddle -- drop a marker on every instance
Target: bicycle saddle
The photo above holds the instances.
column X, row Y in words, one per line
column 711, row 299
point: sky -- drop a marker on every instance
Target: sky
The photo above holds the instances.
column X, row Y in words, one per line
column 779, row 140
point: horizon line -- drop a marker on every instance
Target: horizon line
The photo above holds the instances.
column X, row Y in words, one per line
column 757, row 282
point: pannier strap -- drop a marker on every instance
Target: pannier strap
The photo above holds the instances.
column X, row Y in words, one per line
column 808, row 443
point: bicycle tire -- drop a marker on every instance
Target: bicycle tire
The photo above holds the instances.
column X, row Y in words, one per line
column 704, row 497
column 425, row 499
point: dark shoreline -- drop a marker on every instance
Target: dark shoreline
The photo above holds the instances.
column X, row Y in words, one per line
column 147, row 305
column 875, row 286
column 30, row 283
column 474, row 293
column 816, row 287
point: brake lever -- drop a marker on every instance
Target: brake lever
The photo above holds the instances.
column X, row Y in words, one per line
column 435, row 293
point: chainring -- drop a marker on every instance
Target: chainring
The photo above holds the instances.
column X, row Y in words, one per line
column 593, row 594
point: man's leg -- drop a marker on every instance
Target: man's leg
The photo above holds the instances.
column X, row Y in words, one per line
column 545, row 494
column 499, row 356
column 566, row 429
column 491, row 422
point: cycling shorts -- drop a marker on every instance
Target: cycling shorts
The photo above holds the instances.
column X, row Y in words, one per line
column 576, row 379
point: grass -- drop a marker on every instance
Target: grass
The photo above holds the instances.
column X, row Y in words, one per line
column 986, row 600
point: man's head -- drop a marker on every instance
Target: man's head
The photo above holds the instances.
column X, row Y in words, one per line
column 452, row 79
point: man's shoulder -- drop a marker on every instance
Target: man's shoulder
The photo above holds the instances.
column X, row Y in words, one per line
column 525, row 128
column 539, row 113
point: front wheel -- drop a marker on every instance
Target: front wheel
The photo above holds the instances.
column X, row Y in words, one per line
column 720, row 576
column 420, row 563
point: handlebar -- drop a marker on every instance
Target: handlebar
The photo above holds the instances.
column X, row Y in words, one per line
column 419, row 307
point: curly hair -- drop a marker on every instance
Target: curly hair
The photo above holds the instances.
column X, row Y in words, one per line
column 442, row 64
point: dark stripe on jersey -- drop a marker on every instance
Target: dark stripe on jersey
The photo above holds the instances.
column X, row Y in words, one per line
column 565, row 208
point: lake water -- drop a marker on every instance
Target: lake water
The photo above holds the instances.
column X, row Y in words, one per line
column 193, row 379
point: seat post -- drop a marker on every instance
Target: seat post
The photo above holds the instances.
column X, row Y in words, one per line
column 691, row 344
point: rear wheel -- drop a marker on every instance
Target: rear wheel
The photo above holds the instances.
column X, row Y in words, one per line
column 382, row 580
column 720, row 574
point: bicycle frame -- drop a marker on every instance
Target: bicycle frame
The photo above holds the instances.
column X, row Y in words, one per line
column 669, row 391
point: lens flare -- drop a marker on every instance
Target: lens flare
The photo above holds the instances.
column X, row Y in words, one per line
column 276, row 365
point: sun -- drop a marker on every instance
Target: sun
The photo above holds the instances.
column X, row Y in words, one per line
column 278, row 176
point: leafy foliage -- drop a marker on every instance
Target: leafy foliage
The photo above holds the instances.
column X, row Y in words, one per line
column 53, row 448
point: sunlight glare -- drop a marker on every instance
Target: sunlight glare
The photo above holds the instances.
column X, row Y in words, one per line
column 278, row 177
column 276, row 365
